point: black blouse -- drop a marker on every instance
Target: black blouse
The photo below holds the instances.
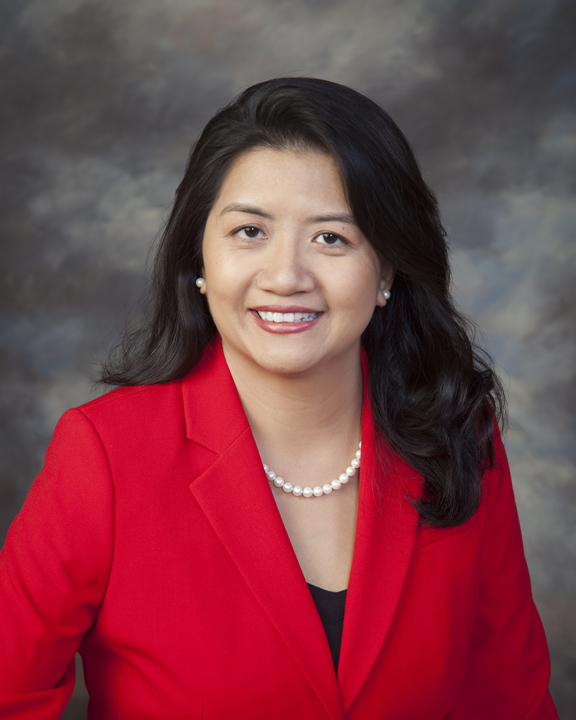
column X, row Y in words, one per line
column 330, row 606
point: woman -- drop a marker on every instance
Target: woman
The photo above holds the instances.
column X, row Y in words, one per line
column 304, row 425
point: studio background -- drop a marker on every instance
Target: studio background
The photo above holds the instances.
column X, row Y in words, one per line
column 100, row 102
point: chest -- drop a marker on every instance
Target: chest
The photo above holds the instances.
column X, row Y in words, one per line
column 202, row 599
column 322, row 533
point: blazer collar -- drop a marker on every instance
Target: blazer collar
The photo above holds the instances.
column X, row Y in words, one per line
column 213, row 412
column 235, row 495
column 385, row 533
column 236, row 498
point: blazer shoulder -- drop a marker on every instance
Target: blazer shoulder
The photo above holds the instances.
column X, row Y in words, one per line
column 134, row 405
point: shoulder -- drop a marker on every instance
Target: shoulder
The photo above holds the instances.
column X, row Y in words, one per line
column 142, row 418
column 130, row 397
column 496, row 478
column 129, row 404
column 127, row 419
column 496, row 510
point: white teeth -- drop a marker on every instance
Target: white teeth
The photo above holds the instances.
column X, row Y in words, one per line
column 286, row 317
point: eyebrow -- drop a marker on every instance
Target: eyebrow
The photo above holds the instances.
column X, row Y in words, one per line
column 250, row 210
column 346, row 218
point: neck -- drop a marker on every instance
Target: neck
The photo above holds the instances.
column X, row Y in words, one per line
column 305, row 414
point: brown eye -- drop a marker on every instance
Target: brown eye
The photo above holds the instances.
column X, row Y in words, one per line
column 250, row 232
column 330, row 239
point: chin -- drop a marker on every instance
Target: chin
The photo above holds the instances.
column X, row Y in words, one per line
column 286, row 366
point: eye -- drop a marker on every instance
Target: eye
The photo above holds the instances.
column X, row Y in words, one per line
column 248, row 232
column 330, row 239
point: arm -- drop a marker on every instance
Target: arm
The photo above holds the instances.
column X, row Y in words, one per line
column 508, row 664
column 53, row 572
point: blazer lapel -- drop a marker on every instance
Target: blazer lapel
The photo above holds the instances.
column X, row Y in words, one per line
column 385, row 533
column 235, row 496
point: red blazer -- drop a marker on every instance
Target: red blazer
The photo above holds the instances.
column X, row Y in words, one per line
column 152, row 544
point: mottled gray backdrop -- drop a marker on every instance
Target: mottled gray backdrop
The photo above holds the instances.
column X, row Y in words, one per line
column 100, row 102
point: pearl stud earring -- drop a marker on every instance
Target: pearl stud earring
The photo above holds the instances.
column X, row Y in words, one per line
column 200, row 282
column 386, row 294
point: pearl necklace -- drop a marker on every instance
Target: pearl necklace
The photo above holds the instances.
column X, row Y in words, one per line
column 318, row 490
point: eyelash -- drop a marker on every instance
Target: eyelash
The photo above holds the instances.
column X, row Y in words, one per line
column 320, row 235
column 247, row 227
column 335, row 235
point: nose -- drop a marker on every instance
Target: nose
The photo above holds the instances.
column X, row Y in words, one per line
column 286, row 268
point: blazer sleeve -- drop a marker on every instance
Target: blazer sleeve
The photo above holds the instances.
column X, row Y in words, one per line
column 508, row 667
column 53, row 572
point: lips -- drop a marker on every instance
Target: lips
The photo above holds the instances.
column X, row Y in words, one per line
column 293, row 319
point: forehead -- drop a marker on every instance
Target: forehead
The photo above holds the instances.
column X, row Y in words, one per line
column 270, row 175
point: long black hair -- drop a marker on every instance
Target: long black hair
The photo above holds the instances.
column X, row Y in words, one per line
column 435, row 396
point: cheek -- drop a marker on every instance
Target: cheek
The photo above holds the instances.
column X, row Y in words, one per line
column 218, row 272
column 226, row 286
column 359, row 290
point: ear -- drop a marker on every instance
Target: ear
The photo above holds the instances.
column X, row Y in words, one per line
column 203, row 275
column 385, row 285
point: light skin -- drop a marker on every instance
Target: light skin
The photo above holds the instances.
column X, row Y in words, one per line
column 281, row 238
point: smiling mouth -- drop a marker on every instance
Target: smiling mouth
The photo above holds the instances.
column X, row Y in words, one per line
column 277, row 317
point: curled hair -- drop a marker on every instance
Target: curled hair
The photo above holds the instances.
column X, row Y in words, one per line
column 434, row 394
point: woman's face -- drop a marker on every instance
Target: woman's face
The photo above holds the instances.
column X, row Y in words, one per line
column 291, row 281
